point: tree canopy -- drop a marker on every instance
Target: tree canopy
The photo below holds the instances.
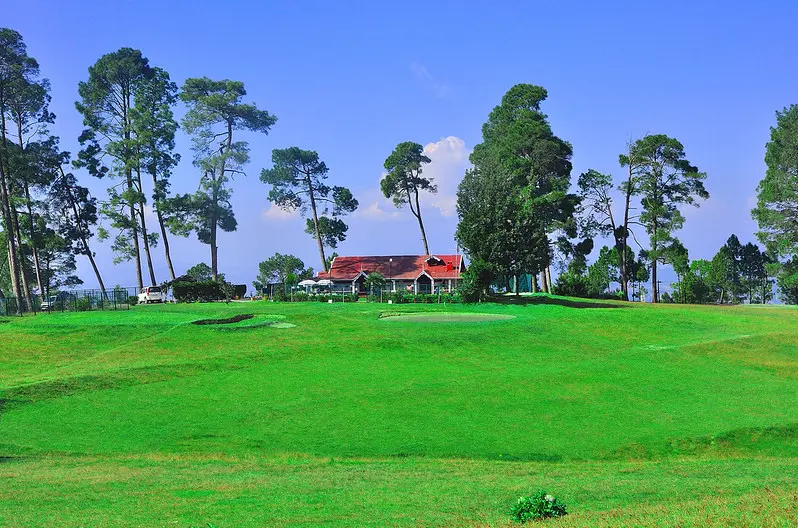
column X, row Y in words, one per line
column 404, row 182
column 297, row 181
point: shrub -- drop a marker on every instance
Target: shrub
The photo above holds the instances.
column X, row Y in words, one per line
column 396, row 297
column 202, row 291
column 538, row 506
column 132, row 300
column 323, row 297
column 475, row 285
column 572, row 285
column 301, row 297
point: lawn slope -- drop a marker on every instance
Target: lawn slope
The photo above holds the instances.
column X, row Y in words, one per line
column 632, row 414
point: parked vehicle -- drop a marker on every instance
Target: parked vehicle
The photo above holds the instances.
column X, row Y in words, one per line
column 150, row 294
column 50, row 303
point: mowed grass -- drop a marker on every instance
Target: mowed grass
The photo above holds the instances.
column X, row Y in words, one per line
column 633, row 415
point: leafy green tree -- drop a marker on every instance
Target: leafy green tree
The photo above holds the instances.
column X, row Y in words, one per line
column 788, row 281
column 476, row 280
column 276, row 268
column 678, row 257
column 27, row 113
column 528, row 168
column 18, row 73
column 776, row 211
column 216, row 111
column 202, row 273
column 494, row 225
column 404, row 181
column 595, row 190
column 666, row 180
column 155, row 126
column 602, row 273
column 724, row 273
column 109, row 143
column 297, row 181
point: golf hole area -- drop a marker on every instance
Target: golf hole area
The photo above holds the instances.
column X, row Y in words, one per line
column 443, row 317
column 253, row 322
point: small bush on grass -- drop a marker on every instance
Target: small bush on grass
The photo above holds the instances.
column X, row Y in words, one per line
column 541, row 505
column 301, row 297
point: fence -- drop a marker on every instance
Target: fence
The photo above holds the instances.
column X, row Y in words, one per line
column 118, row 298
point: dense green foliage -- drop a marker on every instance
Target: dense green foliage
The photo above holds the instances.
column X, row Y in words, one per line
column 516, row 194
column 138, row 415
column 277, row 268
column 201, row 291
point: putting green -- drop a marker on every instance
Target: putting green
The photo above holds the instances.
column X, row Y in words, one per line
column 444, row 317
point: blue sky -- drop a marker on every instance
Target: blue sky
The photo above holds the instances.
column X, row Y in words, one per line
column 352, row 79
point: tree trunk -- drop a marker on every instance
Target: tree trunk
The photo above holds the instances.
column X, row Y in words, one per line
column 13, row 263
column 129, row 177
column 26, row 189
column 515, row 284
column 534, row 282
column 215, row 220
column 544, row 283
column 625, row 233
column 144, row 237
column 316, row 224
column 166, row 245
column 35, row 250
column 654, row 287
column 214, row 252
column 157, row 206
column 21, row 259
column 548, row 278
column 146, row 241
column 421, row 224
column 85, row 241
column 5, row 205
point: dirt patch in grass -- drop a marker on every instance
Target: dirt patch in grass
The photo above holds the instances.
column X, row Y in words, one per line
column 229, row 320
column 443, row 317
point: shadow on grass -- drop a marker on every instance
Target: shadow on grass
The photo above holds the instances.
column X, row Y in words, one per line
column 524, row 300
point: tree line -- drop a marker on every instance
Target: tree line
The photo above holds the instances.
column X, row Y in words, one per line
column 127, row 105
column 519, row 213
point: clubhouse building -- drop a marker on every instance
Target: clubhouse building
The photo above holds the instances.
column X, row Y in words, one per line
column 409, row 273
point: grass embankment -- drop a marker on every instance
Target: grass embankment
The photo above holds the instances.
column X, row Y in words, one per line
column 634, row 415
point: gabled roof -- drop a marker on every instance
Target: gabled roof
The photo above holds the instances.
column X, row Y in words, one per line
column 396, row 267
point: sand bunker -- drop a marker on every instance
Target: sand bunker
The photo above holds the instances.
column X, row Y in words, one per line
column 231, row 320
column 444, row 317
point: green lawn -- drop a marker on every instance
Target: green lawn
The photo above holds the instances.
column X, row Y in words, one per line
column 638, row 415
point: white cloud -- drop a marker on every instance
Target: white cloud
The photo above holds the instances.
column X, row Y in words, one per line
column 275, row 213
column 449, row 160
column 440, row 89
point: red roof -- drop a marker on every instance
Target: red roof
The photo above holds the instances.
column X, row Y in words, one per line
column 396, row 267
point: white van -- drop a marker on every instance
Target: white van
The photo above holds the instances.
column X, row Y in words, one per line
column 150, row 294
